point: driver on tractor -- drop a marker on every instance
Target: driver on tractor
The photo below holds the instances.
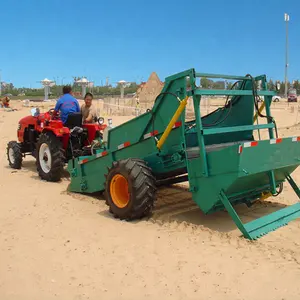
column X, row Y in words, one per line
column 67, row 104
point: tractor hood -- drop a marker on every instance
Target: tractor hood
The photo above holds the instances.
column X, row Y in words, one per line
column 28, row 120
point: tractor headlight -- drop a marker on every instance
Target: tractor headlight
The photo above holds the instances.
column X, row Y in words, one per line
column 101, row 121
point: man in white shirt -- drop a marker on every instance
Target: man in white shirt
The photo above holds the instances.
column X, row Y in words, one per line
column 88, row 111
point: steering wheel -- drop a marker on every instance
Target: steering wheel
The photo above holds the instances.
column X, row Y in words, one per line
column 51, row 111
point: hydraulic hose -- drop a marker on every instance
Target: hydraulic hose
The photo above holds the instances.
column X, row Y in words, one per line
column 255, row 97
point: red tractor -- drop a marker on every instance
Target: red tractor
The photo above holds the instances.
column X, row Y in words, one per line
column 53, row 143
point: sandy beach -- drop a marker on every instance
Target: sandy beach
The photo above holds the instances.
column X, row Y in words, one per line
column 59, row 245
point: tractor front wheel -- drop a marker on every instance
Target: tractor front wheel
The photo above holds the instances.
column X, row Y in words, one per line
column 49, row 158
column 14, row 155
column 130, row 189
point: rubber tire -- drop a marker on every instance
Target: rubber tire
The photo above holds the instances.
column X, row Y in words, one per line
column 142, row 188
column 17, row 155
column 57, row 156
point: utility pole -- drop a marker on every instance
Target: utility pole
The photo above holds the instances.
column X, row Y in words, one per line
column 286, row 19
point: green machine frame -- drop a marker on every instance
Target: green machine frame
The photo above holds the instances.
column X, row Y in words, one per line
column 217, row 153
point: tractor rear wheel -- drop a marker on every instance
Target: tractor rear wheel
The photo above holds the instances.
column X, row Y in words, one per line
column 130, row 189
column 49, row 158
column 14, row 155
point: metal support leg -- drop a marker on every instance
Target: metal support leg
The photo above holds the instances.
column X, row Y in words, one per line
column 272, row 182
column 293, row 185
column 236, row 219
column 261, row 226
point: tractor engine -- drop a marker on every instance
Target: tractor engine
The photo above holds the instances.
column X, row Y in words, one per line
column 78, row 140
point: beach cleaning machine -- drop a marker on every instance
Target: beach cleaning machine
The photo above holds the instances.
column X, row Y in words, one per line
column 220, row 154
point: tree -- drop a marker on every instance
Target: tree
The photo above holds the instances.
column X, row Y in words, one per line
column 296, row 85
column 229, row 85
column 282, row 88
column 271, row 85
column 219, row 85
column 206, row 83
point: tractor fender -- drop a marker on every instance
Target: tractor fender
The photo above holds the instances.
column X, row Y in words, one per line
column 61, row 133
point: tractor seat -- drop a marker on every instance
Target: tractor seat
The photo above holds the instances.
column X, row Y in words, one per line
column 74, row 120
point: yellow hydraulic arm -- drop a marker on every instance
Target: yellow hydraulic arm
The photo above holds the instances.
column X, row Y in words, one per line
column 175, row 117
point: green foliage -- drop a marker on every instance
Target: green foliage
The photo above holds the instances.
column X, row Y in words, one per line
column 206, row 83
column 271, row 85
column 100, row 91
column 56, row 91
column 296, row 85
column 229, row 85
column 210, row 84
column 220, row 85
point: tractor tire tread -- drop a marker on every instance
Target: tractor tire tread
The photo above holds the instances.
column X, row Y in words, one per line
column 18, row 156
column 57, row 152
column 143, row 187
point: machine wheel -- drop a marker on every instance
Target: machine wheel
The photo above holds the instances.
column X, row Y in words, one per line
column 130, row 189
column 14, row 155
column 49, row 158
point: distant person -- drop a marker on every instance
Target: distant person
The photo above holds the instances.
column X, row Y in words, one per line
column 89, row 114
column 67, row 104
column 137, row 107
column 4, row 102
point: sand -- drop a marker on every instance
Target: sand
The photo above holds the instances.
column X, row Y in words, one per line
column 58, row 245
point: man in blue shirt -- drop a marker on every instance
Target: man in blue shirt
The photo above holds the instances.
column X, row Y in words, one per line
column 67, row 104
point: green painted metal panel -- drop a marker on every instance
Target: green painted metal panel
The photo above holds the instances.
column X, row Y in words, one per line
column 266, row 156
column 241, row 171
column 133, row 130
column 232, row 93
column 222, row 174
column 222, row 76
column 236, row 128
column 180, row 75
column 89, row 177
column 256, row 181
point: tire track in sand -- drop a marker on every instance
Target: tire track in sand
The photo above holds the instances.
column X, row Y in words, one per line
column 172, row 203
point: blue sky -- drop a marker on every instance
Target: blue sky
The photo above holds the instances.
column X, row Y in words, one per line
column 130, row 39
